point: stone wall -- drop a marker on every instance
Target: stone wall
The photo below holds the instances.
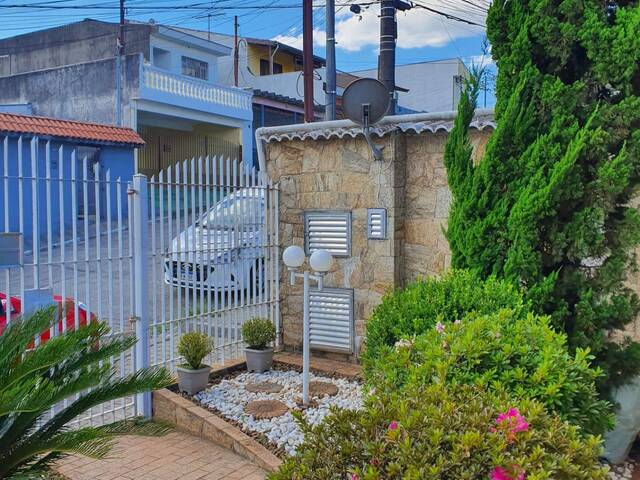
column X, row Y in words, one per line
column 340, row 174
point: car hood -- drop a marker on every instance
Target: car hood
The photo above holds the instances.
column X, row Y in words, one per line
column 196, row 244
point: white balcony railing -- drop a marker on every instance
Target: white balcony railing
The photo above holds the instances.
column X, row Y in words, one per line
column 192, row 88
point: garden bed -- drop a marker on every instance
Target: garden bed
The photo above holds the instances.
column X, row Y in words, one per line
column 276, row 395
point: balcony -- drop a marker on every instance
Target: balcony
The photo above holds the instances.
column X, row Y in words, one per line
column 183, row 91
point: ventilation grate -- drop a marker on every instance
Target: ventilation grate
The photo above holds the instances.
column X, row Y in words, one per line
column 331, row 319
column 377, row 223
column 329, row 231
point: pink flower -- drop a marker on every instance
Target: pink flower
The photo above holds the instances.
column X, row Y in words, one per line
column 513, row 422
column 500, row 473
column 457, row 322
column 354, row 476
column 440, row 327
column 393, row 425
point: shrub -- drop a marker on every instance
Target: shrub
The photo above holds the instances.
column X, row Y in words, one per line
column 193, row 347
column 72, row 367
column 524, row 357
column 437, row 432
column 418, row 307
column 258, row 333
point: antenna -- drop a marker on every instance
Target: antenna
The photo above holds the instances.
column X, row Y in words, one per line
column 365, row 101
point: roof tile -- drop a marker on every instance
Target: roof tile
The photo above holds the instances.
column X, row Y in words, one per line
column 91, row 132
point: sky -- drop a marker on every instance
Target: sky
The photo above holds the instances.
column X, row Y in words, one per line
column 422, row 34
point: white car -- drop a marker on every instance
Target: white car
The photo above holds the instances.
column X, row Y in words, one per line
column 225, row 249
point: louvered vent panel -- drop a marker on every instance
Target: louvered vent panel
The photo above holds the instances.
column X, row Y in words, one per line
column 329, row 231
column 377, row 223
column 331, row 319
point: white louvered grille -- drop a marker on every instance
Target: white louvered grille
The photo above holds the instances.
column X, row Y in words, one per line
column 329, row 231
column 331, row 319
column 377, row 223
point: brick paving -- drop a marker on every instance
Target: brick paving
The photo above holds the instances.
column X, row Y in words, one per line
column 170, row 457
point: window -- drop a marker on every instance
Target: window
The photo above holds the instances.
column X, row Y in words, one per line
column 264, row 67
column 328, row 230
column 195, row 68
column 161, row 58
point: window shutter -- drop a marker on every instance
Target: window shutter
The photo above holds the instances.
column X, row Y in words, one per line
column 331, row 319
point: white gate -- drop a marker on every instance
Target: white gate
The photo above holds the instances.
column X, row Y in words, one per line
column 194, row 248
column 213, row 247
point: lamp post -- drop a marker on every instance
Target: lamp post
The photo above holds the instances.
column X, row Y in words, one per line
column 320, row 262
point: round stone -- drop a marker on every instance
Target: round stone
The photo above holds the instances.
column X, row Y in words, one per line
column 320, row 389
column 263, row 387
column 261, row 409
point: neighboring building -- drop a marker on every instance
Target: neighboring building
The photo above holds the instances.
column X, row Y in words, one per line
column 171, row 92
column 58, row 143
column 430, row 86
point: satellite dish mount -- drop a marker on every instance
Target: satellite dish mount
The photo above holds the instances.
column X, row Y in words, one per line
column 365, row 101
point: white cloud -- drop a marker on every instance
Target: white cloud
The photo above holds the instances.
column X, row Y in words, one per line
column 295, row 41
column 417, row 28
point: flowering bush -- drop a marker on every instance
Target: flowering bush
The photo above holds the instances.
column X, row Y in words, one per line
column 523, row 357
column 418, row 307
column 439, row 432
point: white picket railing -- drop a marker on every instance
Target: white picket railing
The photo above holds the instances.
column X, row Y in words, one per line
column 192, row 88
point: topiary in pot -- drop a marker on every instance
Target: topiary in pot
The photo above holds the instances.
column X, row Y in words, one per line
column 193, row 375
column 258, row 333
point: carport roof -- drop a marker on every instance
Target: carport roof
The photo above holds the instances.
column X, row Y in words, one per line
column 68, row 129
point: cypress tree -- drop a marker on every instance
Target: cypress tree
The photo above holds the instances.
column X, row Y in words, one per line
column 549, row 207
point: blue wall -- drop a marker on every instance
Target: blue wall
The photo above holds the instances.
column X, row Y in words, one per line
column 118, row 160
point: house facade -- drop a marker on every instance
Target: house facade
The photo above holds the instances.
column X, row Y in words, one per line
column 170, row 90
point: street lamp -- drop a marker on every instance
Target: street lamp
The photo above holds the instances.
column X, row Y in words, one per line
column 320, row 262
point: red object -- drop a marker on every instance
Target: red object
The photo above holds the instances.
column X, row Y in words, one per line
column 27, row 124
column 70, row 321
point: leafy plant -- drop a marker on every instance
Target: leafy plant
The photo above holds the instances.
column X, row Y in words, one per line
column 440, row 432
column 258, row 333
column 418, row 307
column 549, row 206
column 33, row 380
column 193, row 347
column 523, row 357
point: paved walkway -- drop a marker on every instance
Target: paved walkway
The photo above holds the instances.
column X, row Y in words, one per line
column 170, row 457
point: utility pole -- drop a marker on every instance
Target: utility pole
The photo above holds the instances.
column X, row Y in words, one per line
column 235, row 50
column 388, row 37
column 387, row 56
column 330, row 109
column 307, row 58
column 119, row 55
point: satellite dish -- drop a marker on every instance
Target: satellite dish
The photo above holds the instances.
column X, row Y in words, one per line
column 365, row 101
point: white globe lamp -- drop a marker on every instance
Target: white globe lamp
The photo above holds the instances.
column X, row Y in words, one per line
column 321, row 261
column 293, row 256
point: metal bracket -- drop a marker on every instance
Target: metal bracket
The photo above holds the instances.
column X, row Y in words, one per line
column 375, row 150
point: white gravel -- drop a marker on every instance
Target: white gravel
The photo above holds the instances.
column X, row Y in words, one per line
column 230, row 397
column 624, row 471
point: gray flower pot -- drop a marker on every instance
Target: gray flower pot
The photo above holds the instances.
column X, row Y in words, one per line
column 259, row 360
column 193, row 381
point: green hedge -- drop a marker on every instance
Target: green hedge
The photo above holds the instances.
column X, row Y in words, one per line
column 436, row 432
column 523, row 357
column 418, row 307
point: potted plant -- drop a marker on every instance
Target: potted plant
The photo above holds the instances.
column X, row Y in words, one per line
column 193, row 375
column 258, row 333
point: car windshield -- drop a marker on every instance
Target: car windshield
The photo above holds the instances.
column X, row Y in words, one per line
column 241, row 209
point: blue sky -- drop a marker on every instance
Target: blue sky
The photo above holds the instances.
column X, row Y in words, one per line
column 422, row 36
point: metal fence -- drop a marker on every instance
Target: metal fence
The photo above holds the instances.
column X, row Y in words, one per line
column 194, row 248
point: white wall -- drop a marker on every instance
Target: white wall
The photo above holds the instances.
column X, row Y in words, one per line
column 178, row 50
column 431, row 84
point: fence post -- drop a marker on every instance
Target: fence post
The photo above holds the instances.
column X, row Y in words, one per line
column 140, row 278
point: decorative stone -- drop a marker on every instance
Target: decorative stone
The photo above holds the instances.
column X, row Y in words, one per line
column 320, row 389
column 263, row 387
column 262, row 409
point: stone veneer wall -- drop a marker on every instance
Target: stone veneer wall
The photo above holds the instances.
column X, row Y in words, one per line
column 340, row 174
